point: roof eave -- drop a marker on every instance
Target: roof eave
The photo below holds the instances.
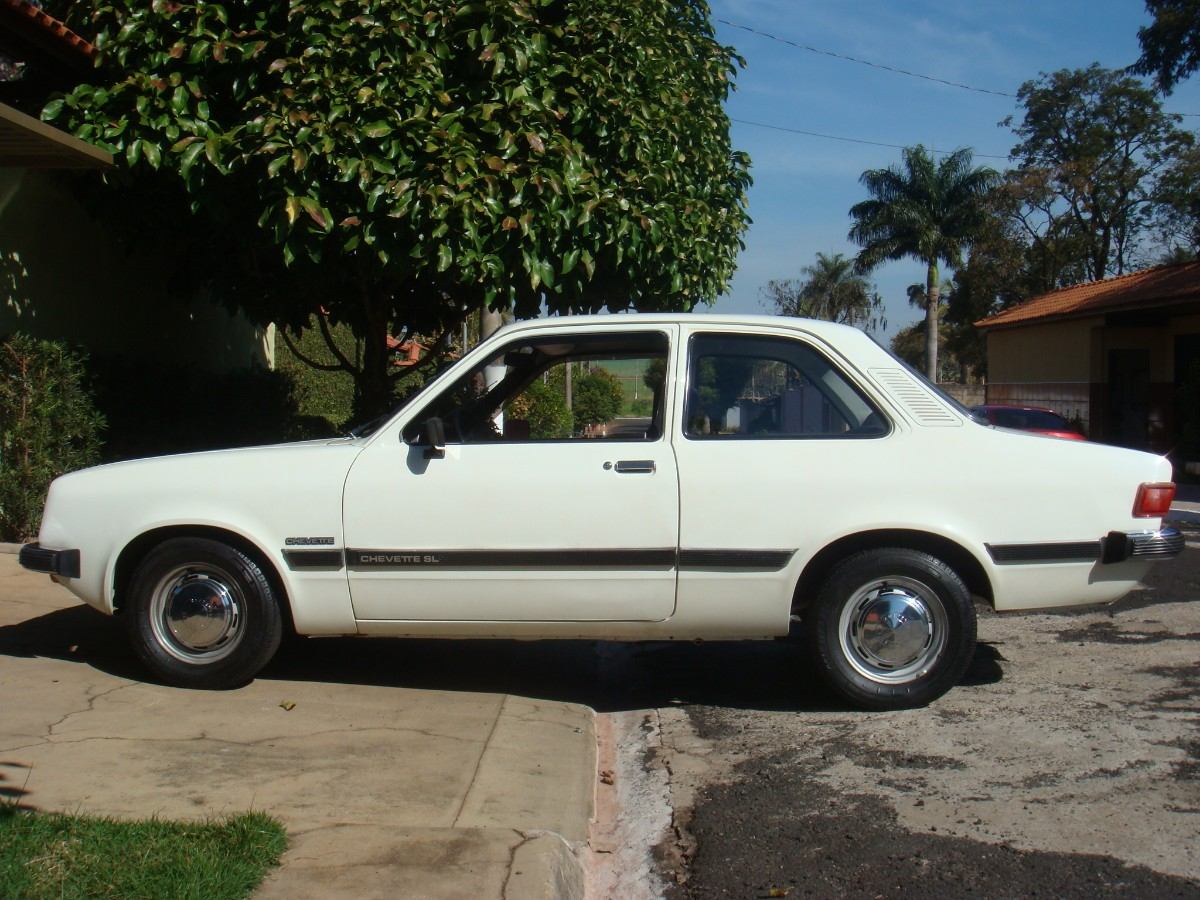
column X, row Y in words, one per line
column 27, row 143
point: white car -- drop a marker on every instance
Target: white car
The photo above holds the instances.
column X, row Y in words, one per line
column 759, row 471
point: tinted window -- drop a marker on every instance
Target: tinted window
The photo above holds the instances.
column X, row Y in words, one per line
column 750, row 386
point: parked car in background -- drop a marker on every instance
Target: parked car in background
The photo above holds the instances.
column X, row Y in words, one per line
column 1030, row 418
column 783, row 471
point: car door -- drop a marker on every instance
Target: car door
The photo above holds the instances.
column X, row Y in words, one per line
column 774, row 443
column 534, row 511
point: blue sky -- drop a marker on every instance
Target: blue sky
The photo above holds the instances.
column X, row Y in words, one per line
column 804, row 186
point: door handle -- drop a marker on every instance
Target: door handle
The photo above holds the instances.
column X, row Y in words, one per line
column 635, row 467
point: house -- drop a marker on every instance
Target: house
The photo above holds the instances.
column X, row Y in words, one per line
column 1111, row 353
column 63, row 274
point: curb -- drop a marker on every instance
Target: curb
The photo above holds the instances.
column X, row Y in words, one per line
column 545, row 866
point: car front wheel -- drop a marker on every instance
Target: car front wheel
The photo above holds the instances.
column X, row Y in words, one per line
column 201, row 614
column 892, row 628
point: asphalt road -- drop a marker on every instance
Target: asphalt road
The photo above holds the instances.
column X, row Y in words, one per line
column 1067, row 764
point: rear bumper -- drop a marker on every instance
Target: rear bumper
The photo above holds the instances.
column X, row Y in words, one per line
column 53, row 562
column 1117, row 546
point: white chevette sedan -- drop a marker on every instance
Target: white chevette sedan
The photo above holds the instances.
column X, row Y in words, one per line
column 762, row 471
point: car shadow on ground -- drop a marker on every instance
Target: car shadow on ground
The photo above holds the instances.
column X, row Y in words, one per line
column 607, row 676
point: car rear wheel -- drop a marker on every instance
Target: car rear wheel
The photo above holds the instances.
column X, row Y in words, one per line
column 892, row 628
column 202, row 614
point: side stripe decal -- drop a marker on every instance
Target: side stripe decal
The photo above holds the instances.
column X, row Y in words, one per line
column 313, row 559
column 657, row 558
column 1066, row 551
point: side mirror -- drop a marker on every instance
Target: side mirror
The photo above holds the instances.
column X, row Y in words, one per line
column 433, row 434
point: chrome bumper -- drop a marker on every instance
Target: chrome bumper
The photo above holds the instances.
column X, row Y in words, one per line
column 36, row 558
column 1165, row 543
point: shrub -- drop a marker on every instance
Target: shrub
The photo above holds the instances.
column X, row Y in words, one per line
column 545, row 409
column 321, row 394
column 153, row 409
column 598, row 397
column 48, row 426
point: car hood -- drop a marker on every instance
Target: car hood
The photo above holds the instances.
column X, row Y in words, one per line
column 238, row 467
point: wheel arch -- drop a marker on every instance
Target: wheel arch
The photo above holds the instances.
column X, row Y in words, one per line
column 136, row 550
column 953, row 554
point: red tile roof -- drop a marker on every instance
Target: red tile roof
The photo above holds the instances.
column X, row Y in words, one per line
column 1148, row 287
column 39, row 22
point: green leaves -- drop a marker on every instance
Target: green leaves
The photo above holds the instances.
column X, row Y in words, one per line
column 188, row 159
column 319, row 214
column 469, row 152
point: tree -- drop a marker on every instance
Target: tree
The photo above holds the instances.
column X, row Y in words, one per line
column 1005, row 267
column 921, row 210
column 1177, row 213
column 1171, row 44
column 598, row 398
column 397, row 164
column 831, row 290
column 1092, row 143
column 545, row 410
column 909, row 344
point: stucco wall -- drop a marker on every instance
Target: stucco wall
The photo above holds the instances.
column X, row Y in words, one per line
column 62, row 276
column 1054, row 352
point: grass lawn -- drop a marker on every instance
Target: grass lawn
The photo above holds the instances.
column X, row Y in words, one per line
column 52, row 855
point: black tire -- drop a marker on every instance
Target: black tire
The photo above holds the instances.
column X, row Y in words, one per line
column 892, row 629
column 201, row 614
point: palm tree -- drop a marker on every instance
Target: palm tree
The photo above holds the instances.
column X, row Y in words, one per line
column 922, row 210
column 831, row 290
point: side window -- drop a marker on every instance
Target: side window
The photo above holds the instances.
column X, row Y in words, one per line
column 750, row 386
column 592, row 387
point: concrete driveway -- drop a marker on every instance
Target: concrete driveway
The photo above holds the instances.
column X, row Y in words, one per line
column 386, row 790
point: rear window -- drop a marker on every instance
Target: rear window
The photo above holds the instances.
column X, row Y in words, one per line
column 1029, row 419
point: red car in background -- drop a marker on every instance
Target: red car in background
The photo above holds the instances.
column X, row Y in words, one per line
column 1029, row 418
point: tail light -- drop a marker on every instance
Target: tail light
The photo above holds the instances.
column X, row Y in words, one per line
column 1153, row 500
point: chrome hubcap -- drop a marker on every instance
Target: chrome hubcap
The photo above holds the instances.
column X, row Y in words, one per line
column 197, row 613
column 893, row 630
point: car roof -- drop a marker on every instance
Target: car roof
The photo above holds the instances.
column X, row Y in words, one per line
column 829, row 330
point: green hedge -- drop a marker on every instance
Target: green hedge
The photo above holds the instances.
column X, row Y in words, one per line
column 320, row 395
column 48, row 426
column 155, row 409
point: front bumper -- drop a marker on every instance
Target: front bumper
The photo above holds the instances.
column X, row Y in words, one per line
column 1118, row 546
column 37, row 558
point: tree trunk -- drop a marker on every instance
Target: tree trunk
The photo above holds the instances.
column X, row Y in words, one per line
column 372, row 384
column 933, row 296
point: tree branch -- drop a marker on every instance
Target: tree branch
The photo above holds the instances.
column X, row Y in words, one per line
column 333, row 348
column 323, row 367
column 438, row 346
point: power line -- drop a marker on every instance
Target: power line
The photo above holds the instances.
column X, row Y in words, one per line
column 865, row 62
column 850, row 140
column 883, row 67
